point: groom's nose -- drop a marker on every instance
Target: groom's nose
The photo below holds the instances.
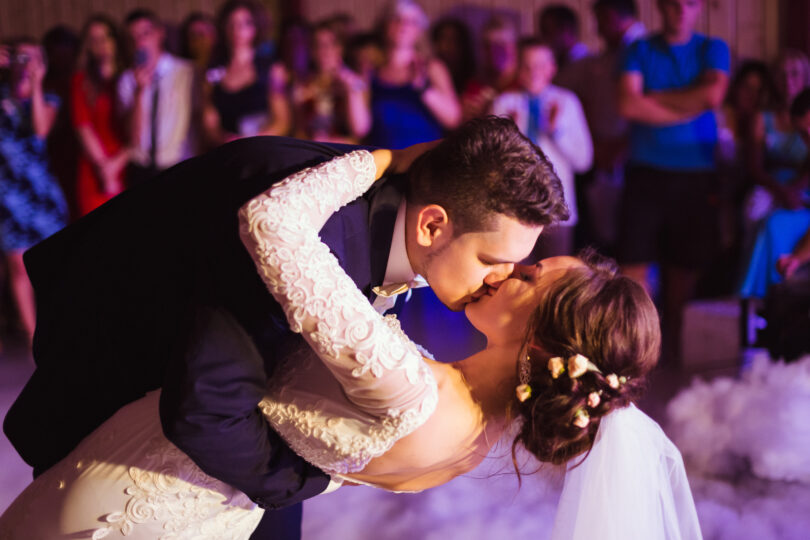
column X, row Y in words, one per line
column 498, row 274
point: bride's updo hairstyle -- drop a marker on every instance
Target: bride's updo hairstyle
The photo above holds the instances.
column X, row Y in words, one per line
column 609, row 320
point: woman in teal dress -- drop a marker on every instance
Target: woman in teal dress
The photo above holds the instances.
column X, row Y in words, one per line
column 779, row 203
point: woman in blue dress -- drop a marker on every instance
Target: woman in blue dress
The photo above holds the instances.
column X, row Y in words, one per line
column 413, row 101
column 32, row 206
column 412, row 95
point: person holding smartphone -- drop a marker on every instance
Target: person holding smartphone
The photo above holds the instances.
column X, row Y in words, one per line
column 32, row 205
column 155, row 98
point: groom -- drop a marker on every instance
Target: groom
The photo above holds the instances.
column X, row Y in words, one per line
column 154, row 289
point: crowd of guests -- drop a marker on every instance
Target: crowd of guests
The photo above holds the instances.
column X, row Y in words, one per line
column 667, row 162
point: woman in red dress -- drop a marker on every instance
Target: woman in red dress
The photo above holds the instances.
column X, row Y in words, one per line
column 104, row 157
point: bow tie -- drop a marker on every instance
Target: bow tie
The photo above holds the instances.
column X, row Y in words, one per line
column 393, row 289
column 386, row 294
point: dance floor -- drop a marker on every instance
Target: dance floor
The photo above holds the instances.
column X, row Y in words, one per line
column 733, row 503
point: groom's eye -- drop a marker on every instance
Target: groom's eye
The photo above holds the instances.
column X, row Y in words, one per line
column 491, row 261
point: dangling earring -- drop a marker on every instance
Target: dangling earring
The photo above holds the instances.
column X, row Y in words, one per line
column 523, row 391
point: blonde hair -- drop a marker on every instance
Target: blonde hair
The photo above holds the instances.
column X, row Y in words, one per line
column 395, row 8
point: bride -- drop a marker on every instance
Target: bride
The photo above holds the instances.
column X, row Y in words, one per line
column 569, row 345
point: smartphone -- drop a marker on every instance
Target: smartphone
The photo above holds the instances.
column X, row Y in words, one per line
column 20, row 59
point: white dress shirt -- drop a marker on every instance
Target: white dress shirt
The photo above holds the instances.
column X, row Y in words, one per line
column 174, row 79
column 398, row 270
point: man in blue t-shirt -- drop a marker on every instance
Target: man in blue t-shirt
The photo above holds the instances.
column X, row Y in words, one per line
column 669, row 86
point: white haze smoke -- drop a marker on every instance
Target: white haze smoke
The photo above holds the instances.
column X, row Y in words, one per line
column 745, row 441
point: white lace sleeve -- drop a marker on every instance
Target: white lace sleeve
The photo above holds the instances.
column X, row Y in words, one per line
column 380, row 369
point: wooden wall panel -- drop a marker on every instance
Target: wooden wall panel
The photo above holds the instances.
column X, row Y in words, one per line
column 772, row 29
column 751, row 27
column 795, row 22
column 722, row 20
column 35, row 17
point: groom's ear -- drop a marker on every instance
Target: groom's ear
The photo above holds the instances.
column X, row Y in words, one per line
column 432, row 223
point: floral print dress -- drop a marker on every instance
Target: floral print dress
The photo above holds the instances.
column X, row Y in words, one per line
column 32, row 205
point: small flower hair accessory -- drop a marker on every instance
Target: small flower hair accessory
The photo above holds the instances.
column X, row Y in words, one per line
column 578, row 365
column 556, row 367
column 594, row 399
column 614, row 381
column 523, row 391
column 581, row 418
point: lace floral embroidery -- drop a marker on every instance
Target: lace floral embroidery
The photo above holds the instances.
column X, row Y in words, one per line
column 379, row 368
column 168, row 488
column 126, row 479
column 331, row 441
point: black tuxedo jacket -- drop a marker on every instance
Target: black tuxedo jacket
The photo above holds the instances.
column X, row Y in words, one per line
column 154, row 289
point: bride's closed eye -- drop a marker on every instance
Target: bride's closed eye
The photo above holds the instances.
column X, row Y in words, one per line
column 521, row 273
column 526, row 272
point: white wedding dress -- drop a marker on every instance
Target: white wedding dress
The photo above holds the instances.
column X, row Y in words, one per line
column 369, row 388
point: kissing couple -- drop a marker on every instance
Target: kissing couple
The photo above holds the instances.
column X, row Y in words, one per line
column 213, row 347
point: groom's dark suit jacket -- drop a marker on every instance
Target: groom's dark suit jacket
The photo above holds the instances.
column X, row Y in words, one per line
column 155, row 289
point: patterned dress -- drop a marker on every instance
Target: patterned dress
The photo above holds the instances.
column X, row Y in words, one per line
column 32, row 206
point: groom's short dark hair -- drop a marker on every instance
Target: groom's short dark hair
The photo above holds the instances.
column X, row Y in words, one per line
column 488, row 167
column 141, row 13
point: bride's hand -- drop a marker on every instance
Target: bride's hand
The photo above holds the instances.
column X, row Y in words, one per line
column 382, row 159
column 398, row 161
column 401, row 160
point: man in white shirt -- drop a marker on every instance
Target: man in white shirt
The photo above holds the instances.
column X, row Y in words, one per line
column 553, row 119
column 155, row 98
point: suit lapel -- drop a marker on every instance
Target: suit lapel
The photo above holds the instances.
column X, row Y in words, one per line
column 383, row 205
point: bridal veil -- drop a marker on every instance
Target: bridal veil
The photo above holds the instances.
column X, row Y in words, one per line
column 631, row 486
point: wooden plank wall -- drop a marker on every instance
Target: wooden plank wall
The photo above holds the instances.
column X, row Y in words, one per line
column 35, row 17
column 751, row 27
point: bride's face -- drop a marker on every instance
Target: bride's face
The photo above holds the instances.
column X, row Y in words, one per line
column 503, row 313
